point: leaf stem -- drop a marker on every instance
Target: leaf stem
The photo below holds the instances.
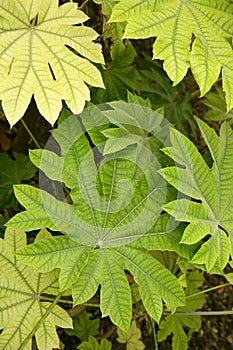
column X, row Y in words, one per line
column 201, row 313
column 208, row 290
column 70, row 302
column 41, row 320
column 154, row 333
column 83, row 4
column 31, row 134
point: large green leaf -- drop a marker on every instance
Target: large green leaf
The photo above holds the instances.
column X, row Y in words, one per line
column 36, row 39
column 106, row 224
column 23, row 311
column 205, row 25
column 210, row 211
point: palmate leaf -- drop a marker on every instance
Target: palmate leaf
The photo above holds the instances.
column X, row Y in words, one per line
column 132, row 338
column 119, row 76
column 174, row 22
column 92, row 344
column 106, row 226
column 20, row 305
column 36, row 38
column 210, row 213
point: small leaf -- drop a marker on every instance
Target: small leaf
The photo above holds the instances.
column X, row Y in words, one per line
column 13, row 172
column 132, row 338
column 93, row 344
column 120, row 76
column 84, row 326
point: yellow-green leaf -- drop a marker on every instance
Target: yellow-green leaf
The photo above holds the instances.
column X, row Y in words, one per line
column 36, row 39
column 23, row 313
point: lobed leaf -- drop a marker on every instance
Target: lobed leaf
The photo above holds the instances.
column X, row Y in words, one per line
column 39, row 42
column 22, row 306
column 190, row 34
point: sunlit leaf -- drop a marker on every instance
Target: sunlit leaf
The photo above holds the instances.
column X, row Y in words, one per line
column 23, row 311
column 37, row 44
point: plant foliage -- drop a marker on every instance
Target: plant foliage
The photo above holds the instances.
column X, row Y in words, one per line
column 39, row 42
column 176, row 324
column 177, row 24
column 106, row 230
column 210, row 211
column 13, row 172
column 23, row 311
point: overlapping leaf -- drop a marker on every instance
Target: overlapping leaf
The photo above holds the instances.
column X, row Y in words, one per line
column 36, row 38
column 210, row 211
column 23, row 313
column 119, row 76
column 177, row 24
column 106, row 225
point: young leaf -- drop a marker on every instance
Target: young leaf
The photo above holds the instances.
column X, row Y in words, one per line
column 37, row 44
column 84, row 326
column 92, row 344
column 131, row 338
column 119, row 76
column 217, row 104
column 210, row 213
column 23, row 313
column 110, row 211
column 158, row 88
column 174, row 23
column 13, row 172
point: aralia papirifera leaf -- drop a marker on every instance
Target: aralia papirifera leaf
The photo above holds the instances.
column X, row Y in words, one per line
column 37, row 44
column 177, row 24
column 210, row 212
column 21, row 302
column 111, row 210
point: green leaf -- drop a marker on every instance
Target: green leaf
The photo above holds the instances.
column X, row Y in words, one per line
column 175, row 324
column 13, row 172
column 158, row 88
column 84, row 326
column 131, row 338
column 21, row 302
column 217, row 104
column 211, row 188
column 102, row 225
column 119, row 76
column 93, row 344
column 174, row 23
column 36, row 60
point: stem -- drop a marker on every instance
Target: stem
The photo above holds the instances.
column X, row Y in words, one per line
column 83, row 4
column 154, row 333
column 70, row 302
column 208, row 290
column 41, row 320
column 202, row 313
column 31, row 134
